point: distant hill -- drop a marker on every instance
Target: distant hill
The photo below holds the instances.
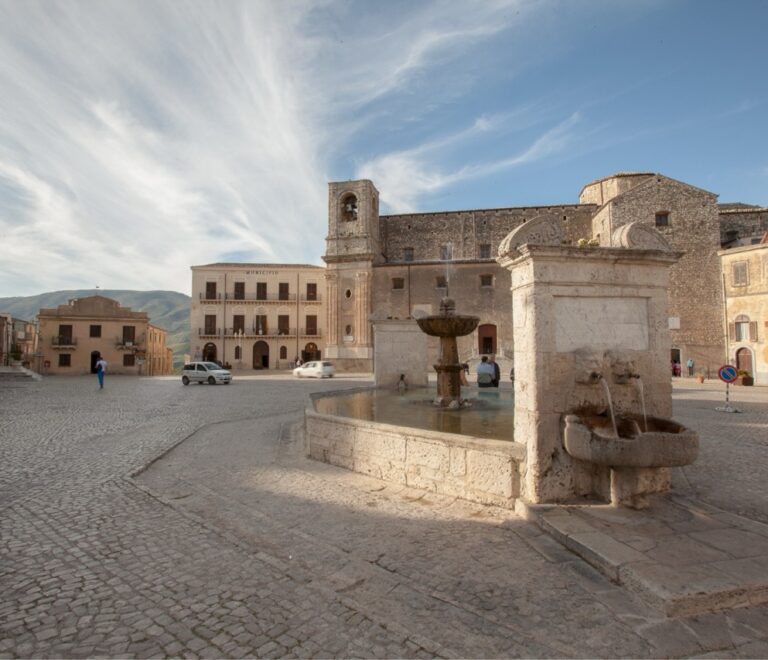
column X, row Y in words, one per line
column 167, row 309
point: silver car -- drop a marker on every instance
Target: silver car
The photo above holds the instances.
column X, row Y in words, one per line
column 314, row 369
column 205, row 372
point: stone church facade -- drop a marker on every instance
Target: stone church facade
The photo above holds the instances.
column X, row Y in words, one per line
column 400, row 266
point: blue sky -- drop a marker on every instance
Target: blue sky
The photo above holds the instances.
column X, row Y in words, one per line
column 139, row 138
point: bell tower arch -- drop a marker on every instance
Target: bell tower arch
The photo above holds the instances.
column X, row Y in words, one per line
column 352, row 247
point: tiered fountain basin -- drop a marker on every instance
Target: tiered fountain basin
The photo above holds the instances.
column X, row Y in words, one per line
column 405, row 439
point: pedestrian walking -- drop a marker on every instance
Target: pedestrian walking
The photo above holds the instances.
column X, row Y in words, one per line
column 101, row 367
column 690, row 366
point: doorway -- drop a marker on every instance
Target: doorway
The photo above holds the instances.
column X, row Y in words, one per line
column 486, row 339
column 95, row 355
column 261, row 355
column 209, row 352
column 744, row 360
column 310, row 353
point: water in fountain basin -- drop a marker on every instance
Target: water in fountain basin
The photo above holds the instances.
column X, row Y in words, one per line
column 489, row 415
column 610, row 406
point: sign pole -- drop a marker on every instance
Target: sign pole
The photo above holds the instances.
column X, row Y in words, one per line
column 728, row 374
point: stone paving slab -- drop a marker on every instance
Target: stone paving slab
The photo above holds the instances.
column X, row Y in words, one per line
column 679, row 555
column 233, row 544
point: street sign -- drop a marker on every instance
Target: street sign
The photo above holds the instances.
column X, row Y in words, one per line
column 728, row 373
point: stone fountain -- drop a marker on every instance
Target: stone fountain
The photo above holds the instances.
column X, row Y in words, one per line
column 447, row 325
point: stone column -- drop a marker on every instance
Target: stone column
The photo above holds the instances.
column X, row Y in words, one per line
column 333, row 309
column 362, row 312
column 579, row 311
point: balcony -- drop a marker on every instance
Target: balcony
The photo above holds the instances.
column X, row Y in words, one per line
column 311, row 332
column 63, row 341
column 204, row 298
column 253, row 332
column 269, row 297
column 208, row 332
column 126, row 344
column 310, row 299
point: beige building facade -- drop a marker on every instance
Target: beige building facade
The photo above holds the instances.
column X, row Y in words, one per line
column 745, row 280
column 398, row 266
column 257, row 316
column 74, row 336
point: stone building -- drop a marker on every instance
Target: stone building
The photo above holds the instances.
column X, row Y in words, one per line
column 74, row 336
column 745, row 277
column 398, row 266
column 18, row 341
column 257, row 316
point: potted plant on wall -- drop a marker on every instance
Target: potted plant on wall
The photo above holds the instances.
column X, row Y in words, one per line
column 745, row 378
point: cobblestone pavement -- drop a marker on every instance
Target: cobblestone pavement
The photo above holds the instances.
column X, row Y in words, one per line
column 234, row 545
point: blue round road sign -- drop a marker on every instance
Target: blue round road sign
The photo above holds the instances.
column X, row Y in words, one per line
column 728, row 373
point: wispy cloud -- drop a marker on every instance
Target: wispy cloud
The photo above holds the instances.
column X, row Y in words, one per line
column 136, row 140
column 405, row 177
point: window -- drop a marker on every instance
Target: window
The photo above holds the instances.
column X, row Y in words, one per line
column 260, row 324
column 238, row 353
column 486, row 280
column 65, row 334
column 311, row 324
column 210, row 324
column 282, row 324
column 348, row 294
column 441, row 282
column 95, row 331
column 282, row 291
column 283, row 353
column 740, row 273
column 743, row 329
column 662, row 219
column 408, row 254
column 129, row 334
column 485, row 250
column 238, row 323
column 398, row 283
column 311, row 291
column 239, row 290
column 446, row 252
column 129, row 360
column 210, row 290
column 65, row 360
column 261, row 290
column 348, row 330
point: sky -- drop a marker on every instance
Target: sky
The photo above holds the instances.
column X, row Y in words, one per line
column 140, row 137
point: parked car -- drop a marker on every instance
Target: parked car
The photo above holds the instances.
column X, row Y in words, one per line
column 205, row 372
column 314, row 370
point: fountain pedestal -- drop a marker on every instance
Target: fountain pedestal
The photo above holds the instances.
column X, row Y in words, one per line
column 447, row 326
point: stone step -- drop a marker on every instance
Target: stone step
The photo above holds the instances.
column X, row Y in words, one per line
column 681, row 556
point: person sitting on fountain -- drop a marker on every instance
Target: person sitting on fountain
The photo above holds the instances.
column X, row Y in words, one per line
column 402, row 384
column 485, row 373
column 463, row 375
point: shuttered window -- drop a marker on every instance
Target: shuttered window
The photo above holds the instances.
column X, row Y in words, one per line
column 740, row 273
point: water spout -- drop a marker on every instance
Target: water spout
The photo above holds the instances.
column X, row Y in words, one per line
column 610, row 406
column 641, row 390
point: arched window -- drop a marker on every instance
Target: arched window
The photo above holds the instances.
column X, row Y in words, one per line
column 742, row 329
column 283, row 353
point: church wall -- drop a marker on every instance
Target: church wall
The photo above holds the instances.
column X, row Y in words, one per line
column 425, row 233
column 743, row 225
column 695, row 294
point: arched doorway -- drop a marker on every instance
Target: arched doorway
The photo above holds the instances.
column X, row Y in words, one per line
column 310, row 352
column 744, row 360
column 209, row 352
column 486, row 339
column 261, row 355
column 95, row 355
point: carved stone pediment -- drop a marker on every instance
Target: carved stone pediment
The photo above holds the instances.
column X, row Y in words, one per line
column 541, row 230
column 639, row 236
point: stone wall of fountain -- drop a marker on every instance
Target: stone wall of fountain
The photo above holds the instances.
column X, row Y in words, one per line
column 588, row 321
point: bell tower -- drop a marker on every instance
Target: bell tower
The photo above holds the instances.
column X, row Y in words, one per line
column 352, row 247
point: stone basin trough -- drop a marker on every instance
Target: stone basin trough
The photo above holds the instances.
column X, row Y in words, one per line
column 467, row 454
